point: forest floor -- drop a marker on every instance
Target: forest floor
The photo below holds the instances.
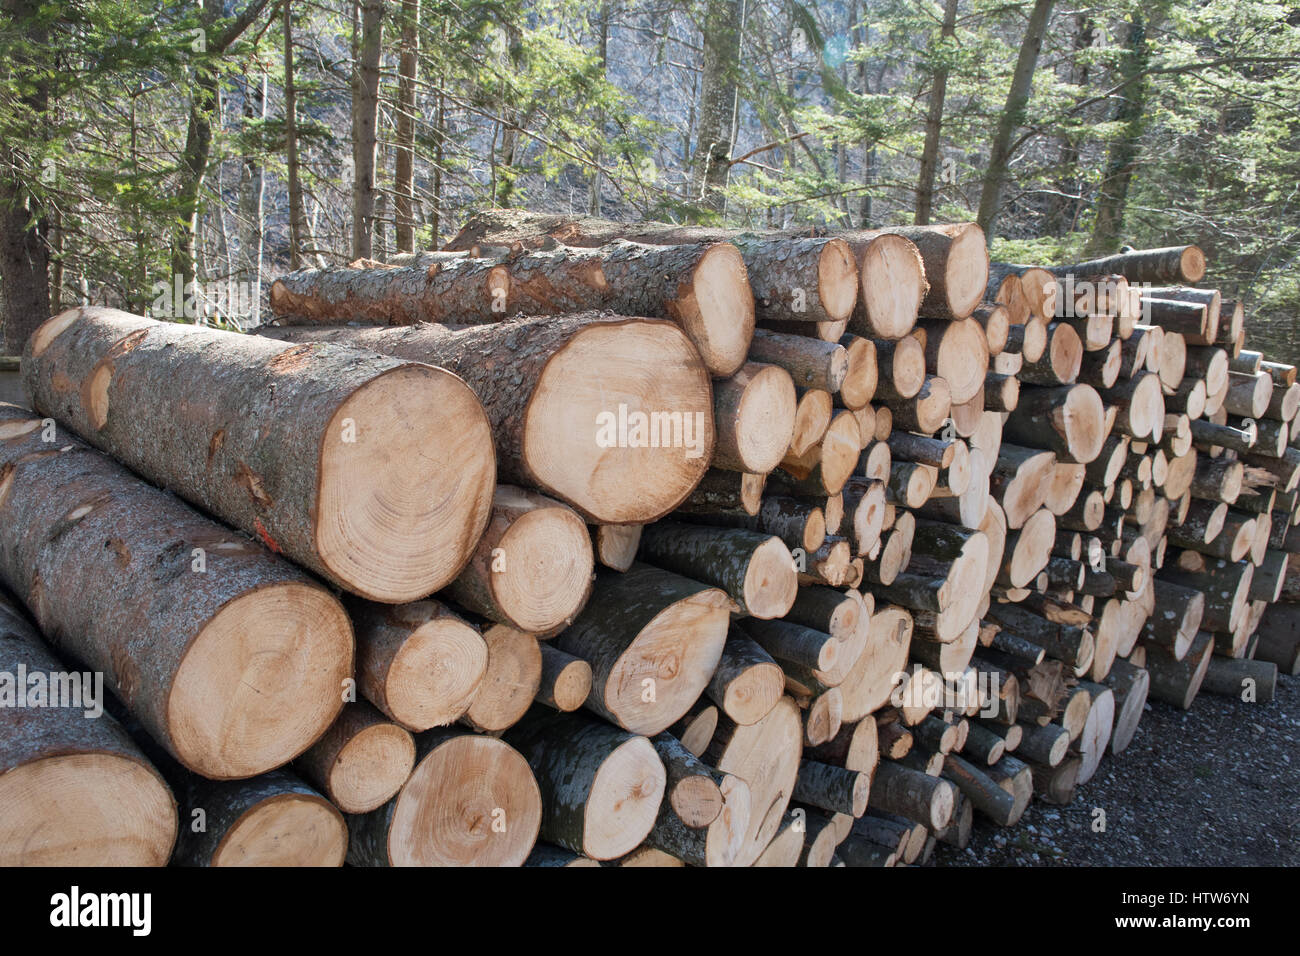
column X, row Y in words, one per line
column 1212, row 786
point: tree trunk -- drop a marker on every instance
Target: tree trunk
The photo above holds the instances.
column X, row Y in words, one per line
column 934, row 119
column 191, row 624
column 404, row 168
column 1013, row 116
column 538, row 378
column 368, row 19
column 298, row 236
column 711, row 162
column 282, row 441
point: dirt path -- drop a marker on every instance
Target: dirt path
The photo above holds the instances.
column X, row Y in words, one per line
column 1214, row 786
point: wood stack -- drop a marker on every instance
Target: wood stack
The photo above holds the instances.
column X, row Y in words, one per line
column 748, row 549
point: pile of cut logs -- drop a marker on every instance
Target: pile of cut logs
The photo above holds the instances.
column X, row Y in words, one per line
column 586, row 543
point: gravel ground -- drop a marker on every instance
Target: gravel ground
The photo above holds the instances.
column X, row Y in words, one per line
column 1213, row 786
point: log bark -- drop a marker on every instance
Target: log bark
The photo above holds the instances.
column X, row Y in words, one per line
column 282, row 441
column 754, row 569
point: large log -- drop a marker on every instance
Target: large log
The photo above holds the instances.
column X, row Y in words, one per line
column 576, row 410
column 703, row 287
column 471, row 801
column 76, row 789
column 653, row 640
column 532, row 567
column 231, row 658
column 890, row 273
column 373, row 472
column 361, row 761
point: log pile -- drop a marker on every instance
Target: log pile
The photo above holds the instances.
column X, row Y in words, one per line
column 584, row 543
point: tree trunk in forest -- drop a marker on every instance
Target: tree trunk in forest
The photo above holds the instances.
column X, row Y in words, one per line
column 1121, row 162
column 235, row 660
column 934, row 120
column 404, row 171
column 251, row 192
column 24, row 253
column 1013, row 116
column 368, row 19
column 195, row 155
column 282, row 441
column 711, row 163
column 297, row 215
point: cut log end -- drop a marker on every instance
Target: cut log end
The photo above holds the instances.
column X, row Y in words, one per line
column 718, row 310
column 545, row 569
column 837, row 279
column 292, row 829
column 371, row 767
column 445, row 813
column 623, row 800
column 261, row 681
column 600, row 378
column 85, row 809
column 394, row 522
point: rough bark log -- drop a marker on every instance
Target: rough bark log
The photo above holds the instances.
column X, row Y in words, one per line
column 282, row 441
